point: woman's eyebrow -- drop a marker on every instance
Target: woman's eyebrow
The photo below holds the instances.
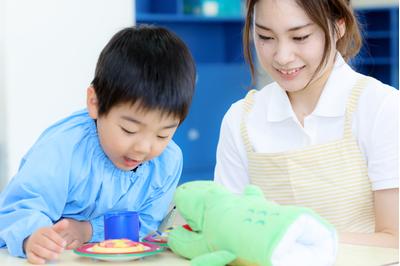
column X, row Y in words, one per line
column 290, row 29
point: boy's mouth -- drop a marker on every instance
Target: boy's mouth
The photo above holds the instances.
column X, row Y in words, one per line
column 130, row 162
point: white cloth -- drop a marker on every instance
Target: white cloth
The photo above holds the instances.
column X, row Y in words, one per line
column 306, row 242
column 273, row 127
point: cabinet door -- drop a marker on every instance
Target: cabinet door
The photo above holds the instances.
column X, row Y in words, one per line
column 218, row 86
column 379, row 56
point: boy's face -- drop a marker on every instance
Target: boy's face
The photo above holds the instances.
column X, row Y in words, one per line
column 129, row 135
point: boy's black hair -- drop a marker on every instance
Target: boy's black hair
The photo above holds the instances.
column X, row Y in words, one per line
column 149, row 65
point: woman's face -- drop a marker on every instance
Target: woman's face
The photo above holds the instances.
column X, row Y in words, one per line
column 289, row 44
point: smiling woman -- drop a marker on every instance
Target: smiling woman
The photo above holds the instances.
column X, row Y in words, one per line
column 321, row 135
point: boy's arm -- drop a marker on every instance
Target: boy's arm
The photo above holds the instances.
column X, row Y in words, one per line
column 34, row 198
column 97, row 229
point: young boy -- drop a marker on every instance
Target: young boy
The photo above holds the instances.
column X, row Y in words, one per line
column 116, row 155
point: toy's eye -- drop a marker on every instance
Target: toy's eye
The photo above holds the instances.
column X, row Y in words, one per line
column 247, row 220
column 263, row 213
column 261, row 222
column 251, row 210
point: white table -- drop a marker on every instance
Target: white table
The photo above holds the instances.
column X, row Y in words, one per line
column 348, row 255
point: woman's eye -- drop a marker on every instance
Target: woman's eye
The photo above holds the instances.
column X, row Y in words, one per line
column 264, row 38
column 162, row 137
column 301, row 38
column 127, row 131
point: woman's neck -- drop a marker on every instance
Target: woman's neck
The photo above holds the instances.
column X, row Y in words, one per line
column 304, row 101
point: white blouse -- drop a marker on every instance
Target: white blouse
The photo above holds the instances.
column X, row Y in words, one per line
column 273, row 127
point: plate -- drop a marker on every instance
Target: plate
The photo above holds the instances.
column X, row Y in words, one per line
column 158, row 238
column 86, row 251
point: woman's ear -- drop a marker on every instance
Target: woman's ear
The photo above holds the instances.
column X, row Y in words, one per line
column 92, row 103
column 341, row 28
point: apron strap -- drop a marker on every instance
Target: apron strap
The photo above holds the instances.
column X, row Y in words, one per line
column 352, row 105
column 248, row 103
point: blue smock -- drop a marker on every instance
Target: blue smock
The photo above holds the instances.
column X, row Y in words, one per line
column 66, row 174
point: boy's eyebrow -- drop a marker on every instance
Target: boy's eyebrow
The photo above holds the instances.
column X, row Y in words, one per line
column 133, row 120
column 291, row 29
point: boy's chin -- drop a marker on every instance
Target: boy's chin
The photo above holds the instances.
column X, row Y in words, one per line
column 124, row 167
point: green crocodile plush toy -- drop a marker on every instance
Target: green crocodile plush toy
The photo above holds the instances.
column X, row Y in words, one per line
column 248, row 229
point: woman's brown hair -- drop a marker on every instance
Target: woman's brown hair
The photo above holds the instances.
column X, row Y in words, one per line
column 324, row 13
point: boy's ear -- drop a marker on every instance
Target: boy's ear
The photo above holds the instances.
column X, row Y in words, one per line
column 91, row 102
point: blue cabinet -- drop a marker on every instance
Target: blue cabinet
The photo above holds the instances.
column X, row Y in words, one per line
column 222, row 76
column 379, row 56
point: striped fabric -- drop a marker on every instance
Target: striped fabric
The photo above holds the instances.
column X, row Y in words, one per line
column 330, row 178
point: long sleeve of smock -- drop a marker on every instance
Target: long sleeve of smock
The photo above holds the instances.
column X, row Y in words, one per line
column 97, row 229
column 35, row 197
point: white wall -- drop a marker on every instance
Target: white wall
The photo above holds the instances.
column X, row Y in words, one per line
column 2, row 97
column 374, row 3
column 50, row 49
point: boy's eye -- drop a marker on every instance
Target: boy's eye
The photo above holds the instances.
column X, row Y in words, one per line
column 162, row 137
column 127, row 131
column 301, row 38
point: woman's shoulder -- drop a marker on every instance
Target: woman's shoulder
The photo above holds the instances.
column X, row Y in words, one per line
column 375, row 87
column 254, row 96
column 377, row 95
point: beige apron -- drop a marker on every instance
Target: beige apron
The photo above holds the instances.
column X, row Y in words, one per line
column 330, row 178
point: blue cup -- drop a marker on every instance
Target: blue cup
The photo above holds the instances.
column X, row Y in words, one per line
column 124, row 224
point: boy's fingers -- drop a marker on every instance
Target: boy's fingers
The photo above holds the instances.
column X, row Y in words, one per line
column 60, row 226
column 45, row 252
column 57, row 231
column 34, row 259
column 74, row 244
column 53, row 241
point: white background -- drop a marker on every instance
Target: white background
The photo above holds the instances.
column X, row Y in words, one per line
column 48, row 53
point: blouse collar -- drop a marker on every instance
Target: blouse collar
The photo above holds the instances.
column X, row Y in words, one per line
column 332, row 102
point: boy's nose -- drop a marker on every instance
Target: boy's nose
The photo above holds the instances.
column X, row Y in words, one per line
column 142, row 147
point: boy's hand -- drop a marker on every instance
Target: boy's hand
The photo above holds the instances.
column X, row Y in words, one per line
column 75, row 233
column 45, row 244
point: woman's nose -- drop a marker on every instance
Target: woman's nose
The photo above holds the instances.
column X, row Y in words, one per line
column 284, row 54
